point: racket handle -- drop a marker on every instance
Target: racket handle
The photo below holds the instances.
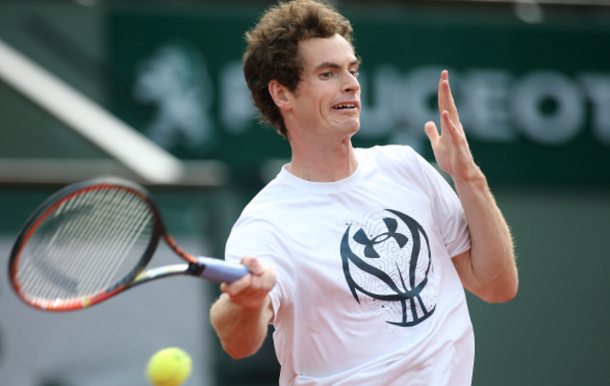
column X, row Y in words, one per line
column 220, row 271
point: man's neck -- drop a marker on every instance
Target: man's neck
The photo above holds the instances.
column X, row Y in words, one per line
column 319, row 163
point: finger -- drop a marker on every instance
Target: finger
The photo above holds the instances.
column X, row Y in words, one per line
column 253, row 264
column 448, row 101
column 452, row 129
column 235, row 288
column 441, row 91
column 252, row 295
column 431, row 132
column 250, row 302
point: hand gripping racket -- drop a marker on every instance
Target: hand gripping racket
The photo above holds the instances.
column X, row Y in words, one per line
column 92, row 240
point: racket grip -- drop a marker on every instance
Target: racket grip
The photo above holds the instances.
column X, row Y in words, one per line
column 220, row 271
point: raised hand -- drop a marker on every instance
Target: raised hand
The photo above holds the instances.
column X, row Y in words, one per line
column 451, row 148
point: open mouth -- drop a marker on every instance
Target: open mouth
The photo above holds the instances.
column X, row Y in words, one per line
column 343, row 106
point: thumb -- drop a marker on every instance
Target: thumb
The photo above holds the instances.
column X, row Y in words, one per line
column 253, row 265
column 431, row 132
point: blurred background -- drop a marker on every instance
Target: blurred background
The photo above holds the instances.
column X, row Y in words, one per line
column 532, row 85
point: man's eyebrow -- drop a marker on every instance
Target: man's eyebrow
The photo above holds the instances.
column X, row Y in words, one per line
column 334, row 65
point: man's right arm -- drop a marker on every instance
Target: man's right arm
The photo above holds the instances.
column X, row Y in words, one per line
column 241, row 315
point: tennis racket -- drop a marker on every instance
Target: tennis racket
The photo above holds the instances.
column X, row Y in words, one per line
column 92, row 240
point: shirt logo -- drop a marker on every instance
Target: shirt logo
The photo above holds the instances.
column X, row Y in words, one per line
column 388, row 259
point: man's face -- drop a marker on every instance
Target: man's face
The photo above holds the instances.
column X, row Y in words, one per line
column 328, row 96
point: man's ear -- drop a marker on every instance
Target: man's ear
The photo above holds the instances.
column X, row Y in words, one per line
column 280, row 95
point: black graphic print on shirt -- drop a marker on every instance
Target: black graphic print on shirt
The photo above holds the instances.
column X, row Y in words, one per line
column 388, row 260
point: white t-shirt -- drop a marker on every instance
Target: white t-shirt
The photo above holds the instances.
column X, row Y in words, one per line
column 366, row 292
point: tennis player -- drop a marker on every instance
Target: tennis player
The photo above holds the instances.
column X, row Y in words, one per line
column 359, row 257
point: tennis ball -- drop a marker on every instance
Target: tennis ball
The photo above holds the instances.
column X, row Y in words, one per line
column 169, row 367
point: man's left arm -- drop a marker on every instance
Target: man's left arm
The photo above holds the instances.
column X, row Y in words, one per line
column 488, row 269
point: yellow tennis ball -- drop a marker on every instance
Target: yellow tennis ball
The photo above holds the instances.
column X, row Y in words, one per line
column 169, row 367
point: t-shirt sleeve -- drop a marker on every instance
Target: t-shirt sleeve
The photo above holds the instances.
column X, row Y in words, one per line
column 258, row 237
column 447, row 209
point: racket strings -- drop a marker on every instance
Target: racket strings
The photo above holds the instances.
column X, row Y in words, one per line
column 121, row 240
column 86, row 252
column 64, row 246
column 77, row 235
column 57, row 241
column 86, row 245
column 81, row 257
column 46, row 259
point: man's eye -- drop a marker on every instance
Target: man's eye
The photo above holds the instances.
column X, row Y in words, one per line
column 325, row 74
column 355, row 74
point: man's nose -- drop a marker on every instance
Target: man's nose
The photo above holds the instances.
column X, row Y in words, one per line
column 351, row 84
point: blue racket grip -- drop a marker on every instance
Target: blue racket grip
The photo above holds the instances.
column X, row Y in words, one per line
column 220, row 271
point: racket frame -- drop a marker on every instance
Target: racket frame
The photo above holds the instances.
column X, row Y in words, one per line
column 55, row 200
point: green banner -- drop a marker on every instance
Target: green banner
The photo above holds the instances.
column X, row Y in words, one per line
column 534, row 99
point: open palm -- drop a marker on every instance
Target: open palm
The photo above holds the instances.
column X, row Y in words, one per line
column 450, row 148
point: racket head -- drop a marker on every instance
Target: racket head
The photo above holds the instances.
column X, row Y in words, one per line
column 84, row 244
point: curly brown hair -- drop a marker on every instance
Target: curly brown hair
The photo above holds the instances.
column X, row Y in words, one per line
column 273, row 49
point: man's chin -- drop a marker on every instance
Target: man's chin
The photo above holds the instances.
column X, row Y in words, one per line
column 350, row 126
column 355, row 126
